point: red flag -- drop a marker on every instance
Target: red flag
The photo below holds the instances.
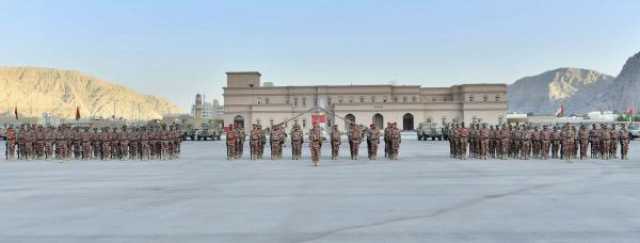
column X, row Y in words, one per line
column 630, row 110
column 560, row 111
column 318, row 118
column 15, row 112
column 77, row 113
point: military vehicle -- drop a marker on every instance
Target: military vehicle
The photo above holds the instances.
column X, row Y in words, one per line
column 431, row 130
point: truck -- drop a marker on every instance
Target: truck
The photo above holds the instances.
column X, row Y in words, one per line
column 431, row 130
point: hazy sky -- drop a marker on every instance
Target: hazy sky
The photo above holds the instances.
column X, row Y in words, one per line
column 177, row 48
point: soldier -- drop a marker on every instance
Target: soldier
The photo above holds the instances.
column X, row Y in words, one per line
column 69, row 139
column 11, row 143
column 297, row 138
column 373, row 139
column 594, row 139
column 624, row 142
column 277, row 141
column 472, row 141
column 395, row 139
column 123, row 137
column 29, row 137
column 263, row 141
column 505, row 142
column 605, row 142
column 85, row 138
column 453, row 138
column 515, row 142
column 49, row 142
column 615, row 139
column 61, row 144
column 385, row 137
column 106, row 138
column 39, row 142
column 315, row 142
column 493, row 141
column 355, row 138
column 254, row 142
column 546, row 137
column 133, row 138
column 146, row 144
column 484, row 138
column 96, row 142
column 231, row 143
column 536, row 143
column 241, row 137
column 583, row 137
column 463, row 139
column 525, row 140
column 335, row 142
column 568, row 145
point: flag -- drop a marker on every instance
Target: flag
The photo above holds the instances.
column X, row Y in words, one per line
column 560, row 111
column 318, row 118
column 630, row 110
column 15, row 112
column 77, row 113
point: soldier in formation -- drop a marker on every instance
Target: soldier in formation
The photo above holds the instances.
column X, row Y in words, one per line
column 529, row 142
column 75, row 143
column 373, row 139
column 335, row 142
column 257, row 140
column 297, row 138
column 315, row 140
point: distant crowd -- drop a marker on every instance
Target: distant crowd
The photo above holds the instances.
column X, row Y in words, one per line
column 530, row 142
column 31, row 142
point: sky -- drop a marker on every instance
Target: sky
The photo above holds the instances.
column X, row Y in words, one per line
column 176, row 49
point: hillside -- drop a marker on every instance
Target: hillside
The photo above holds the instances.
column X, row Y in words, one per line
column 38, row 90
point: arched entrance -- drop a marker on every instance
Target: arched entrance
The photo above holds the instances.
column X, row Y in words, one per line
column 238, row 121
column 407, row 122
column 349, row 119
column 378, row 121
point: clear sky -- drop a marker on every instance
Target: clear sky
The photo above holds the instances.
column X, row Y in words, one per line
column 178, row 48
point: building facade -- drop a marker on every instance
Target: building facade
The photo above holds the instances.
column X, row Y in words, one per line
column 247, row 102
column 202, row 109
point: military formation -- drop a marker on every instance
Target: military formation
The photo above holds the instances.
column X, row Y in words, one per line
column 36, row 142
column 603, row 141
column 277, row 136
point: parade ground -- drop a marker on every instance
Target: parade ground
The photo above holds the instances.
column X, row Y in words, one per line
column 423, row 197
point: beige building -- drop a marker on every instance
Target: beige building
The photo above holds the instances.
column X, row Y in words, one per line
column 247, row 101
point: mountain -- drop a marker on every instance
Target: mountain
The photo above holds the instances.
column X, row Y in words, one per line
column 38, row 90
column 625, row 89
column 545, row 92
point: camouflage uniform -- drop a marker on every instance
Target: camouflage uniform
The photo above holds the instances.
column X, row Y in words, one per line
column 493, row 142
column 624, row 143
column 536, row 143
column 525, row 140
column 335, row 142
column 96, row 142
column 87, row 152
column 254, row 142
column 505, row 142
column 39, row 142
column 355, row 138
column 146, row 144
column 315, row 142
column 605, row 142
column 241, row 137
column 297, row 138
column 583, row 137
column 546, row 137
column 453, row 139
column 231, row 143
column 484, row 138
column 61, row 144
column 463, row 139
column 594, row 139
column 373, row 139
column 106, row 140
column 395, row 139
column 134, row 143
column 11, row 143
column 556, row 138
column 615, row 139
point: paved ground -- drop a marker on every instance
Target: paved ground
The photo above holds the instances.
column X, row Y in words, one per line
column 424, row 197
